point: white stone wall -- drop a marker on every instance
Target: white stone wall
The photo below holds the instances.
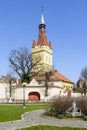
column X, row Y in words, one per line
column 41, row 90
column 4, row 91
column 54, row 91
column 76, row 95
column 56, row 83
column 19, row 92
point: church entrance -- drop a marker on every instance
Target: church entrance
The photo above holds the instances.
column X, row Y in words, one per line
column 34, row 96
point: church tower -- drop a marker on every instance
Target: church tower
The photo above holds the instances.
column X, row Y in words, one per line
column 42, row 49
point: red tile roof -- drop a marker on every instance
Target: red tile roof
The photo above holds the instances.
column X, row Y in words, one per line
column 59, row 76
column 55, row 76
column 3, row 79
column 34, row 44
column 42, row 40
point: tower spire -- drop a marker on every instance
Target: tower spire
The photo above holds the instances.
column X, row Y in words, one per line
column 42, row 49
column 42, row 17
column 42, row 25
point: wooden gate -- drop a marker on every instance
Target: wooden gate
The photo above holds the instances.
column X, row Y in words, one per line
column 34, row 96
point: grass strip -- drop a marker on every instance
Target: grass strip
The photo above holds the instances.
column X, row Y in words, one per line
column 46, row 127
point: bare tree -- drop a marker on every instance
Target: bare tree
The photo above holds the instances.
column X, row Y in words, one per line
column 11, row 80
column 21, row 62
column 46, row 83
column 84, row 78
column 84, row 73
column 47, row 79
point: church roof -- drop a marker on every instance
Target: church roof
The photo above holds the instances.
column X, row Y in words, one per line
column 59, row 76
column 56, row 76
column 42, row 39
column 3, row 79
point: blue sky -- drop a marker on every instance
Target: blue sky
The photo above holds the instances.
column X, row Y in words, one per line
column 66, row 22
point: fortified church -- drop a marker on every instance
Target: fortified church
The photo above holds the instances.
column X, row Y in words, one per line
column 49, row 82
column 44, row 86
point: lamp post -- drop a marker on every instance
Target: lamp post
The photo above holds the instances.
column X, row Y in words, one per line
column 10, row 90
column 24, row 85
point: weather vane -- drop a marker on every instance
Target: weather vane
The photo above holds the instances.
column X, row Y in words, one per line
column 42, row 9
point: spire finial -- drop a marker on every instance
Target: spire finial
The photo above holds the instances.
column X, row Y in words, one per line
column 42, row 9
column 42, row 17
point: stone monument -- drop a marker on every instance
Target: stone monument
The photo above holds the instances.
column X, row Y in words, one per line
column 75, row 111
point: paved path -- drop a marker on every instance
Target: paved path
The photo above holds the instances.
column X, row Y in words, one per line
column 36, row 118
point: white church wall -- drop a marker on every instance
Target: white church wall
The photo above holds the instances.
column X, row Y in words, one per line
column 56, row 83
column 4, row 91
column 52, row 92
column 40, row 90
column 76, row 94
column 19, row 92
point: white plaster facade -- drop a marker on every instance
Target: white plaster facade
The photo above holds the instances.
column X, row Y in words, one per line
column 55, row 89
column 34, row 86
column 4, row 91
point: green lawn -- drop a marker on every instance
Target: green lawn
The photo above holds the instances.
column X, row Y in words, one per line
column 41, row 127
column 9, row 112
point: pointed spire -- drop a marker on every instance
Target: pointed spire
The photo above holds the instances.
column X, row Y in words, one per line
column 34, row 44
column 42, row 17
column 50, row 45
column 42, row 25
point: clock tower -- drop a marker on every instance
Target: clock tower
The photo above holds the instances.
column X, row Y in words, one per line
column 42, row 50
